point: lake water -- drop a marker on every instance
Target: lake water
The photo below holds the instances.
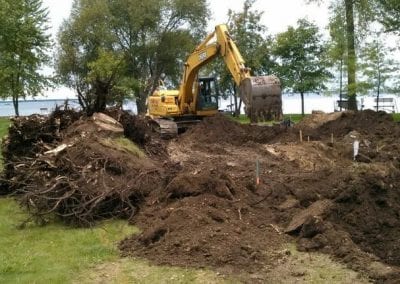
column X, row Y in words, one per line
column 291, row 104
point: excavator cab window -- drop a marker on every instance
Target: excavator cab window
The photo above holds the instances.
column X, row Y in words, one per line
column 208, row 94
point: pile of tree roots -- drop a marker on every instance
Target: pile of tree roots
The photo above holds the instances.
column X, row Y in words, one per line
column 76, row 168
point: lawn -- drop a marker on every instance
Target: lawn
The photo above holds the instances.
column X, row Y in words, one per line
column 396, row 117
column 4, row 124
column 293, row 117
column 54, row 253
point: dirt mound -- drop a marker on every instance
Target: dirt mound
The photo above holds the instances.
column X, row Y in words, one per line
column 202, row 220
column 220, row 129
column 368, row 123
column 196, row 200
column 315, row 190
column 316, row 119
column 137, row 129
column 361, row 225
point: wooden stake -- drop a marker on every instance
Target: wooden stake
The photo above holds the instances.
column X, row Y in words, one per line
column 301, row 136
column 308, row 138
column 257, row 172
column 332, row 138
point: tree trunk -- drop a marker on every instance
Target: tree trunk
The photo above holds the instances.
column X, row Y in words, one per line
column 141, row 103
column 237, row 109
column 239, row 106
column 378, row 91
column 341, row 85
column 351, row 55
column 16, row 104
column 302, row 103
column 81, row 99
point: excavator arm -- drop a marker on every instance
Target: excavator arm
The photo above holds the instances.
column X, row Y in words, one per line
column 261, row 95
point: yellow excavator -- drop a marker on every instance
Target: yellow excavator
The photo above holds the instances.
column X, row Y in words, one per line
column 172, row 110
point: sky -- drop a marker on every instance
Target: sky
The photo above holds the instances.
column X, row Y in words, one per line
column 278, row 15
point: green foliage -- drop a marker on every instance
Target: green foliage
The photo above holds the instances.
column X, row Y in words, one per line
column 24, row 44
column 301, row 57
column 337, row 52
column 253, row 43
column 376, row 66
column 357, row 15
column 250, row 36
column 389, row 14
column 111, row 49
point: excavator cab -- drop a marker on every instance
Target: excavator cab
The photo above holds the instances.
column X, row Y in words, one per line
column 208, row 94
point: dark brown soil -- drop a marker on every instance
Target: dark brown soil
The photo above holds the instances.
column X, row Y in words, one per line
column 196, row 200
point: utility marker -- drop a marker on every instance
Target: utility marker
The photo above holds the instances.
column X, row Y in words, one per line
column 257, row 172
column 356, row 146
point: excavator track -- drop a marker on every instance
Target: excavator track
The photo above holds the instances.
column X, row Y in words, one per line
column 167, row 129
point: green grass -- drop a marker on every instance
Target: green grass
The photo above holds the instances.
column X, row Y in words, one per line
column 396, row 117
column 123, row 144
column 245, row 120
column 4, row 124
column 295, row 117
column 54, row 253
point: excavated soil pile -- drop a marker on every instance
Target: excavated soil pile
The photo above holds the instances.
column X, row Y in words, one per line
column 213, row 214
column 196, row 200
column 207, row 220
column 220, row 129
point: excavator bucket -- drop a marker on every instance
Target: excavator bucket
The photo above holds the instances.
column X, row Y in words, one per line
column 262, row 96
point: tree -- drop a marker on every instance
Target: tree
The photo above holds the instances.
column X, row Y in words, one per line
column 337, row 47
column 376, row 66
column 87, row 59
column 24, row 46
column 301, row 57
column 146, row 38
column 358, row 14
column 250, row 37
column 389, row 14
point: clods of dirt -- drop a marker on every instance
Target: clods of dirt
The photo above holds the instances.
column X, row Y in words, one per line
column 197, row 199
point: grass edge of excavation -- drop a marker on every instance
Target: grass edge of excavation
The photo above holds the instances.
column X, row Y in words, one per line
column 56, row 253
column 53, row 253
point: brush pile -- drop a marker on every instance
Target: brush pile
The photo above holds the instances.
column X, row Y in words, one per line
column 80, row 173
